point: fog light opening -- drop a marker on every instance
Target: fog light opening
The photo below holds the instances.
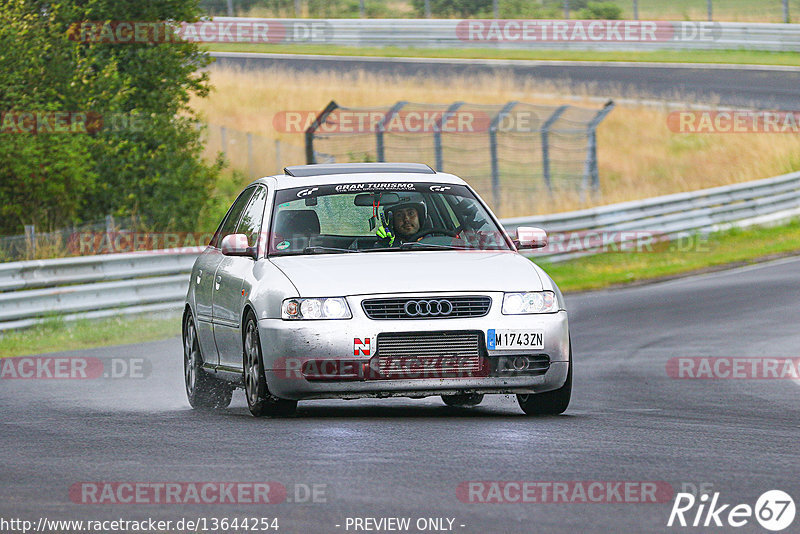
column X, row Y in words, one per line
column 520, row 363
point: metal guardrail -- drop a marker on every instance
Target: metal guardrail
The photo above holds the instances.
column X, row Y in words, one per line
column 107, row 285
column 667, row 217
column 516, row 34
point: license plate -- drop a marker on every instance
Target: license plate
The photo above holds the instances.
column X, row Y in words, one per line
column 514, row 339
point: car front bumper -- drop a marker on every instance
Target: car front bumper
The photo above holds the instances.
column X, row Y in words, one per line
column 288, row 345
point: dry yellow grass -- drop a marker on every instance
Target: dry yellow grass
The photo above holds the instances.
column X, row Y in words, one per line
column 638, row 155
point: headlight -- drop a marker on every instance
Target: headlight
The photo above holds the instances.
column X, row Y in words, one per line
column 323, row 308
column 534, row 302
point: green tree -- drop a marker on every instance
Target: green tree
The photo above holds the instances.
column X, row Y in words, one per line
column 150, row 165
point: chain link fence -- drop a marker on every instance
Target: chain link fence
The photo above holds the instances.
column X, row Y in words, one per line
column 508, row 152
column 257, row 155
column 35, row 244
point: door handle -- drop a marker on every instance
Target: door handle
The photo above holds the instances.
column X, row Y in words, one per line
column 199, row 275
column 219, row 280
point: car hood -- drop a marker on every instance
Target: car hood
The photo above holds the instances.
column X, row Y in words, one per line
column 408, row 272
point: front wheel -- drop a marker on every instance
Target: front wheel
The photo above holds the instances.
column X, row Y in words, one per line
column 260, row 401
column 551, row 402
column 203, row 391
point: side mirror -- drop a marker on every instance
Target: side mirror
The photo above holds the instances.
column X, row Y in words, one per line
column 530, row 237
column 237, row 245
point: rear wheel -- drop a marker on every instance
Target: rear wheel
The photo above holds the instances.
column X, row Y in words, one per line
column 203, row 391
column 464, row 400
column 260, row 401
column 551, row 402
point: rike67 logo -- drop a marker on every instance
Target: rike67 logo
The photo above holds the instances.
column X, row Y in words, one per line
column 774, row 510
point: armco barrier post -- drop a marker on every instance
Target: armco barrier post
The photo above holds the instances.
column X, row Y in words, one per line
column 545, row 133
column 322, row 117
column 437, row 134
column 493, row 152
column 591, row 173
column 379, row 148
column 30, row 240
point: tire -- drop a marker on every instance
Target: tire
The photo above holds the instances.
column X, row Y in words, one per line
column 551, row 402
column 260, row 401
column 204, row 391
column 464, row 400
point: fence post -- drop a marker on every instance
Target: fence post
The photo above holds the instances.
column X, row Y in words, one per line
column 591, row 172
column 30, row 239
column 566, row 9
column 249, row 153
column 297, row 9
column 382, row 128
column 109, row 224
column 635, row 9
column 710, row 11
column 786, row 11
column 495, row 9
column 493, row 152
column 361, row 9
column 546, row 144
column 322, row 117
column 437, row 134
column 230, row 8
column 278, row 154
column 223, row 133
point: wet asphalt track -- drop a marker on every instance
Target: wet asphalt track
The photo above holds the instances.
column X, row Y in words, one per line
column 628, row 421
column 749, row 87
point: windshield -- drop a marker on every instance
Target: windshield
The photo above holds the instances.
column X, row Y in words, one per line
column 370, row 217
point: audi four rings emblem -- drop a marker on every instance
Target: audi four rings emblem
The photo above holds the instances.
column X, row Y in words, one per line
column 424, row 308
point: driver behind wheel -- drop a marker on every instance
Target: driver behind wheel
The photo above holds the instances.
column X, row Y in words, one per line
column 405, row 221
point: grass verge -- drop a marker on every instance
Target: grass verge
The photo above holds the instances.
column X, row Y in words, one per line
column 698, row 254
column 738, row 57
column 55, row 335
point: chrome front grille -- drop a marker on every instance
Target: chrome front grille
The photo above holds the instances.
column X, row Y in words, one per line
column 427, row 307
column 429, row 355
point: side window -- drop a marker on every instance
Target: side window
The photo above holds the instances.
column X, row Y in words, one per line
column 250, row 225
column 232, row 218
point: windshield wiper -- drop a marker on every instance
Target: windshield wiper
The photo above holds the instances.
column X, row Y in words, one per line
column 318, row 250
column 415, row 244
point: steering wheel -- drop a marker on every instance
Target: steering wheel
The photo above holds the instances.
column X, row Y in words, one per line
column 422, row 233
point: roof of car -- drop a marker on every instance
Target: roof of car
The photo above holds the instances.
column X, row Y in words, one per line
column 356, row 168
column 283, row 181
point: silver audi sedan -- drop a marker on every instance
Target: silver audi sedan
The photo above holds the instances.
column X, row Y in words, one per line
column 371, row 280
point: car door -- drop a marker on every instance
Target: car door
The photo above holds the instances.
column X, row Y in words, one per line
column 204, row 279
column 232, row 288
